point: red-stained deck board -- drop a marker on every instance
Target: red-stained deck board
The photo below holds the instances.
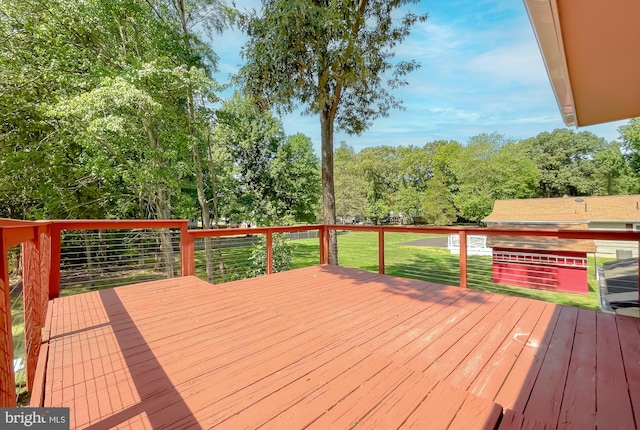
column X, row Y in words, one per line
column 414, row 323
column 438, row 326
column 478, row 352
column 629, row 334
column 515, row 421
column 492, row 376
column 446, row 405
column 425, row 328
column 329, row 347
column 579, row 401
column 363, row 401
column 547, row 394
column 449, row 335
column 610, row 378
column 481, row 411
column 517, row 386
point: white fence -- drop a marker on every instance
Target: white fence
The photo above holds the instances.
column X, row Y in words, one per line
column 476, row 245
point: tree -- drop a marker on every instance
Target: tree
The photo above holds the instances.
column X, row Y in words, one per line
column 437, row 207
column 630, row 134
column 334, row 58
column 277, row 179
column 112, row 101
column 613, row 171
column 490, row 168
column 565, row 160
column 296, row 180
column 415, row 166
column 381, row 170
column 68, row 67
column 252, row 138
column 409, row 202
column 350, row 183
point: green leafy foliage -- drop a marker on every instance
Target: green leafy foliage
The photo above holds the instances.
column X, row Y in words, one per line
column 332, row 57
column 283, row 252
column 277, row 179
column 565, row 161
column 296, row 180
column 350, row 184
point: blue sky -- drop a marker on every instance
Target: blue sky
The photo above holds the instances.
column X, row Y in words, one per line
column 481, row 72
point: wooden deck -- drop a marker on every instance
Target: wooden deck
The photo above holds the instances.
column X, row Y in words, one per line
column 327, row 347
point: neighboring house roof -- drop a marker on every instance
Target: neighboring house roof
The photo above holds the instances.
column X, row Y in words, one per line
column 587, row 47
column 541, row 243
column 566, row 210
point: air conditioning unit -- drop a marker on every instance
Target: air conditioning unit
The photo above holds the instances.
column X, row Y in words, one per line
column 636, row 227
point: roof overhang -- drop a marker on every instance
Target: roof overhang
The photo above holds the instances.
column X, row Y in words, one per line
column 589, row 50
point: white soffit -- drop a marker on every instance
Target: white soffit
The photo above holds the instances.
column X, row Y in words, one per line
column 590, row 49
column 543, row 15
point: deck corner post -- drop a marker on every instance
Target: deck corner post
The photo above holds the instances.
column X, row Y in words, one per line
column 54, row 272
column 269, row 252
column 463, row 258
column 381, row 250
column 187, row 250
column 324, row 244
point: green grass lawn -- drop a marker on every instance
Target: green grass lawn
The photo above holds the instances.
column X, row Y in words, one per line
column 359, row 250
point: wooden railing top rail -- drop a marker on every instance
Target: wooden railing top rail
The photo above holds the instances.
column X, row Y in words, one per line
column 219, row 232
column 487, row 231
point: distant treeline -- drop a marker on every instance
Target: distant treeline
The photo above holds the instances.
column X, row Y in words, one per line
column 444, row 182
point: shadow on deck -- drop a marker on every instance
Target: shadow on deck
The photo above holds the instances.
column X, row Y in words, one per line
column 329, row 347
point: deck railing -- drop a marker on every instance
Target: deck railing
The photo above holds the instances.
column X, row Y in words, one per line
column 220, row 255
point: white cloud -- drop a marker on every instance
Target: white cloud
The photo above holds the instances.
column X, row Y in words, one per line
column 516, row 63
column 481, row 72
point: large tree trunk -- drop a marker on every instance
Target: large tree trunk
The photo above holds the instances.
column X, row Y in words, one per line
column 163, row 207
column 214, row 202
column 206, row 217
column 328, row 195
column 202, row 199
column 160, row 197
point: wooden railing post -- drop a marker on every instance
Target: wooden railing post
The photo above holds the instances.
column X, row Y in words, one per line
column 269, row 252
column 324, row 244
column 54, row 273
column 321, row 233
column 463, row 259
column 187, row 251
column 381, row 251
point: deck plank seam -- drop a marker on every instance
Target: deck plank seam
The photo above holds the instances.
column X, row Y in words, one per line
column 487, row 321
column 336, row 402
column 456, row 326
column 495, row 346
column 517, row 357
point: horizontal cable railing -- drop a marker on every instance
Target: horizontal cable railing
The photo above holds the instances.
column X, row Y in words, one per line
column 358, row 250
column 96, row 259
column 223, row 255
column 224, row 259
column 18, row 320
column 421, row 256
column 538, row 263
